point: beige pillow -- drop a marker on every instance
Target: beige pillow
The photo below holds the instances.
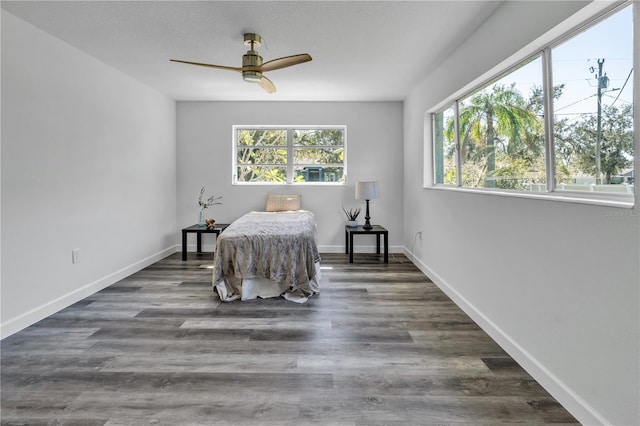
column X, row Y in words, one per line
column 281, row 202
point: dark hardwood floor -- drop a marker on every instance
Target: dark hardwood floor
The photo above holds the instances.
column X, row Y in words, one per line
column 381, row 345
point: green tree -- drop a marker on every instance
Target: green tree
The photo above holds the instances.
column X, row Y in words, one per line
column 497, row 122
column 502, row 140
column 261, row 155
column 576, row 143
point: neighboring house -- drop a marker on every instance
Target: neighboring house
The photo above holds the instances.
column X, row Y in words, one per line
column 627, row 176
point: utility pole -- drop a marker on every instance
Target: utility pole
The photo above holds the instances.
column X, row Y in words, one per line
column 603, row 83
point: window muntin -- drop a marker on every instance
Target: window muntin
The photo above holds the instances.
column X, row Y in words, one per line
column 277, row 155
column 572, row 146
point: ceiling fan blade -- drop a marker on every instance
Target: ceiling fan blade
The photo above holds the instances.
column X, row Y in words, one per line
column 267, row 84
column 284, row 62
column 222, row 67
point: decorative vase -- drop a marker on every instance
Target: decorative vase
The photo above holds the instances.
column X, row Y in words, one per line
column 352, row 223
column 201, row 219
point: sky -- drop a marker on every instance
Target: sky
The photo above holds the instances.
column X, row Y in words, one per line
column 574, row 60
column 575, row 64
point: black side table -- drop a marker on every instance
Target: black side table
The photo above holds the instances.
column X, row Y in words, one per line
column 199, row 230
column 376, row 230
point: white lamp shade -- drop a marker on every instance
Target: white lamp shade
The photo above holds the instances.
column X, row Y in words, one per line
column 367, row 189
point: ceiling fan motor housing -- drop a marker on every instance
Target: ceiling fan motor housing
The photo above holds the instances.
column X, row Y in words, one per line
column 251, row 59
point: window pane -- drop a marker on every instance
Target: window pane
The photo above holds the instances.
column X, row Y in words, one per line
column 593, row 126
column 249, row 173
column 261, row 137
column 502, row 132
column 262, row 156
column 322, row 137
column 445, row 147
column 319, row 174
column 318, row 155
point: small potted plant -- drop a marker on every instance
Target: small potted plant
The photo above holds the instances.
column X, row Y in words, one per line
column 352, row 216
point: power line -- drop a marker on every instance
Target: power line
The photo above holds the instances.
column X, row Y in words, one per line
column 621, row 100
column 576, row 102
column 623, row 86
column 578, row 113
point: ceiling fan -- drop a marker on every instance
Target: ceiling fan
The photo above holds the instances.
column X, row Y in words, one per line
column 252, row 66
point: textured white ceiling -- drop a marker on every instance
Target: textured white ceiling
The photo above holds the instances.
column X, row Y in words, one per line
column 362, row 50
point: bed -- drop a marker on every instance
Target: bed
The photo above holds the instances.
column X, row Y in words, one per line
column 269, row 253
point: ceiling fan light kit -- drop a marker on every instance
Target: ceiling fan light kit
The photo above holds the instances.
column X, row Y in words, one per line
column 252, row 66
column 251, row 76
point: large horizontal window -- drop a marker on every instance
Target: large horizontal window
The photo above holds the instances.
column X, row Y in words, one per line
column 286, row 155
column 494, row 137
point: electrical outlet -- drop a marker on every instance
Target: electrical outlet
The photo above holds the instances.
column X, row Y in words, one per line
column 75, row 255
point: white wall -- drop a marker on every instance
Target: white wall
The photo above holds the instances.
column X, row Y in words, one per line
column 88, row 161
column 374, row 151
column 556, row 284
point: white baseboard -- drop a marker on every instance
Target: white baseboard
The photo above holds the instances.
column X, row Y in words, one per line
column 577, row 406
column 31, row 317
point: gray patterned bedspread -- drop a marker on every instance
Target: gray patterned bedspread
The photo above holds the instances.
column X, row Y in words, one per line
column 280, row 246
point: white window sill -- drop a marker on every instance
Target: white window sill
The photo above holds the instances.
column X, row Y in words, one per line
column 625, row 201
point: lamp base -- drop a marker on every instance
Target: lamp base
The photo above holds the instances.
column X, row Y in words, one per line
column 367, row 224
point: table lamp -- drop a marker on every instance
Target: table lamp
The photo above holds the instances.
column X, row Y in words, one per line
column 367, row 190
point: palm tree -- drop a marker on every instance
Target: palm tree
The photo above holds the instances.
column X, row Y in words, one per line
column 498, row 118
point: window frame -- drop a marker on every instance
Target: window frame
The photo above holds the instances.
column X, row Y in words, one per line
column 290, row 147
column 543, row 49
